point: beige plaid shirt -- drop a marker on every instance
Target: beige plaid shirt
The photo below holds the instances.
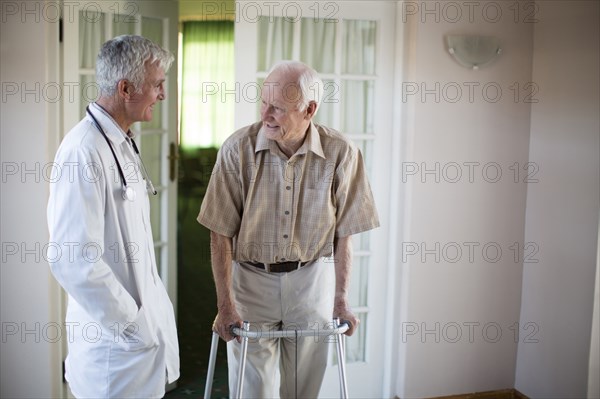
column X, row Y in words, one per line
column 279, row 209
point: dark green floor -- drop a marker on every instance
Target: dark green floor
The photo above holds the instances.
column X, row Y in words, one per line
column 196, row 305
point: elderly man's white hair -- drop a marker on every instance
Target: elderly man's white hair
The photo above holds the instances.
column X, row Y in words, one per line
column 309, row 82
column 125, row 57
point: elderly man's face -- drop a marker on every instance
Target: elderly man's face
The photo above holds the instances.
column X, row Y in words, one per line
column 141, row 103
column 282, row 121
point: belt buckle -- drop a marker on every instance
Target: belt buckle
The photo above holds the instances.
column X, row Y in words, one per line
column 298, row 266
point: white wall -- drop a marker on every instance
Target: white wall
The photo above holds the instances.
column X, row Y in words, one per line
column 30, row 363
column 562, row 209
column 459, row 299
column 594, row 368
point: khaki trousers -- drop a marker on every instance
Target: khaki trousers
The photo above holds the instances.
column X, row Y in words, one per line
column 302, row 299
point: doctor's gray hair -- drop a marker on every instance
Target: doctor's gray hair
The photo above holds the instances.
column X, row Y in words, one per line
column 311, row 85
column 124, row 57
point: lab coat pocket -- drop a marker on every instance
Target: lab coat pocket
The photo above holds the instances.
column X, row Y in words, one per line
column 139, row 334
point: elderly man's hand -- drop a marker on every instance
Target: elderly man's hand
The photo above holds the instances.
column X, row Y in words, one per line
column 226, row 319
column 342, row 310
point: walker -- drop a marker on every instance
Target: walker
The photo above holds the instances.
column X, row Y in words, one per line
column 338, row 329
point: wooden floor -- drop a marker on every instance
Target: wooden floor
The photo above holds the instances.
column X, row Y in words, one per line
column 502, row 394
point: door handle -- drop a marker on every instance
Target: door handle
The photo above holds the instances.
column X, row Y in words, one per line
column 173, row 157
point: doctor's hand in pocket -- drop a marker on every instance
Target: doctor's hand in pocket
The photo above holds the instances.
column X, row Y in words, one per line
column 137, row 335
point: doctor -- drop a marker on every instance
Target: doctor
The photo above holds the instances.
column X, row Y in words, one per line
column 122, row 337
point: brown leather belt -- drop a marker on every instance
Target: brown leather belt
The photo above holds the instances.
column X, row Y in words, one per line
column 283, row 267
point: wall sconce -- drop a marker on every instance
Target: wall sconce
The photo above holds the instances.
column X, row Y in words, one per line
column 473, row 51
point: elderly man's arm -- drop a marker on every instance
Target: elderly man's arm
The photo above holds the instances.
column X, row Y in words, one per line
column 343, row 264
column 221, row 257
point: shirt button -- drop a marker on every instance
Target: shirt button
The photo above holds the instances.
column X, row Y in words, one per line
column 287, row 212
column 282, row 258
column 288, row 188
column 285, row 236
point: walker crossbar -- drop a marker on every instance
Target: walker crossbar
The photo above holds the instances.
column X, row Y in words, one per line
column 246, row 334
column 273, row 334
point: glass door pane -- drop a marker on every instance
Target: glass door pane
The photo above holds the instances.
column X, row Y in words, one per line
column 359, row 47
column 326, row 114
column 317, row 44
column 151, row 151
column 274, row 37
column 92, row 33
column 88, row 91
column 92, row 28
column 123, row 25
column 152, row 28
column 357, row 106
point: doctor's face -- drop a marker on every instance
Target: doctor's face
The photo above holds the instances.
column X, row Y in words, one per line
column 141, row 103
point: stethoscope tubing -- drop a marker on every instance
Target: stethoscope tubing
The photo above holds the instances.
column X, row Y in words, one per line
column 128, row 192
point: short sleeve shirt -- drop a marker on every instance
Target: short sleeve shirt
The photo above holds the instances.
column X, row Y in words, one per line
column 278, row 209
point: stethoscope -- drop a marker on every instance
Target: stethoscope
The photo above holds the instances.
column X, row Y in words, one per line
column 128, row 191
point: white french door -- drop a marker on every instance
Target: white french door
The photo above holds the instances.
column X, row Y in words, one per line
column 351, row 45
column 86, row 26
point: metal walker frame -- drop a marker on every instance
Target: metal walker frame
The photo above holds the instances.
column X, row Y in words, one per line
column 338, row 329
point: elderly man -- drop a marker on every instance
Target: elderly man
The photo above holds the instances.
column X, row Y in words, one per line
column 285, row 193
column 122, row 337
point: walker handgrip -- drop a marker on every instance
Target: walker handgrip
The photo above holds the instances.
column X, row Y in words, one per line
column 341, row 329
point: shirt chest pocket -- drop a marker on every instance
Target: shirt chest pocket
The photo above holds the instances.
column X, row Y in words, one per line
column 318, row 195
column 320, row 175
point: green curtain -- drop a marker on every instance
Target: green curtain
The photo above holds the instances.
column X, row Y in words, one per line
column 208, row 81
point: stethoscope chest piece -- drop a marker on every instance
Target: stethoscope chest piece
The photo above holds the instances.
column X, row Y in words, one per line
column 129, row 193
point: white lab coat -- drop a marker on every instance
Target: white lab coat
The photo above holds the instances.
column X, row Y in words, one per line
column 120, row 324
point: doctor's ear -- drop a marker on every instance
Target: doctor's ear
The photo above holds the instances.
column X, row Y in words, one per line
column 125, row 88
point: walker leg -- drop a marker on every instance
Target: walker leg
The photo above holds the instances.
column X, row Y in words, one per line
column 211, row 365
column 242, row 365
column 341, row 361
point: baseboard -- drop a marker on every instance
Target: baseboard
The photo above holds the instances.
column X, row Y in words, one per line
column 500, row 394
